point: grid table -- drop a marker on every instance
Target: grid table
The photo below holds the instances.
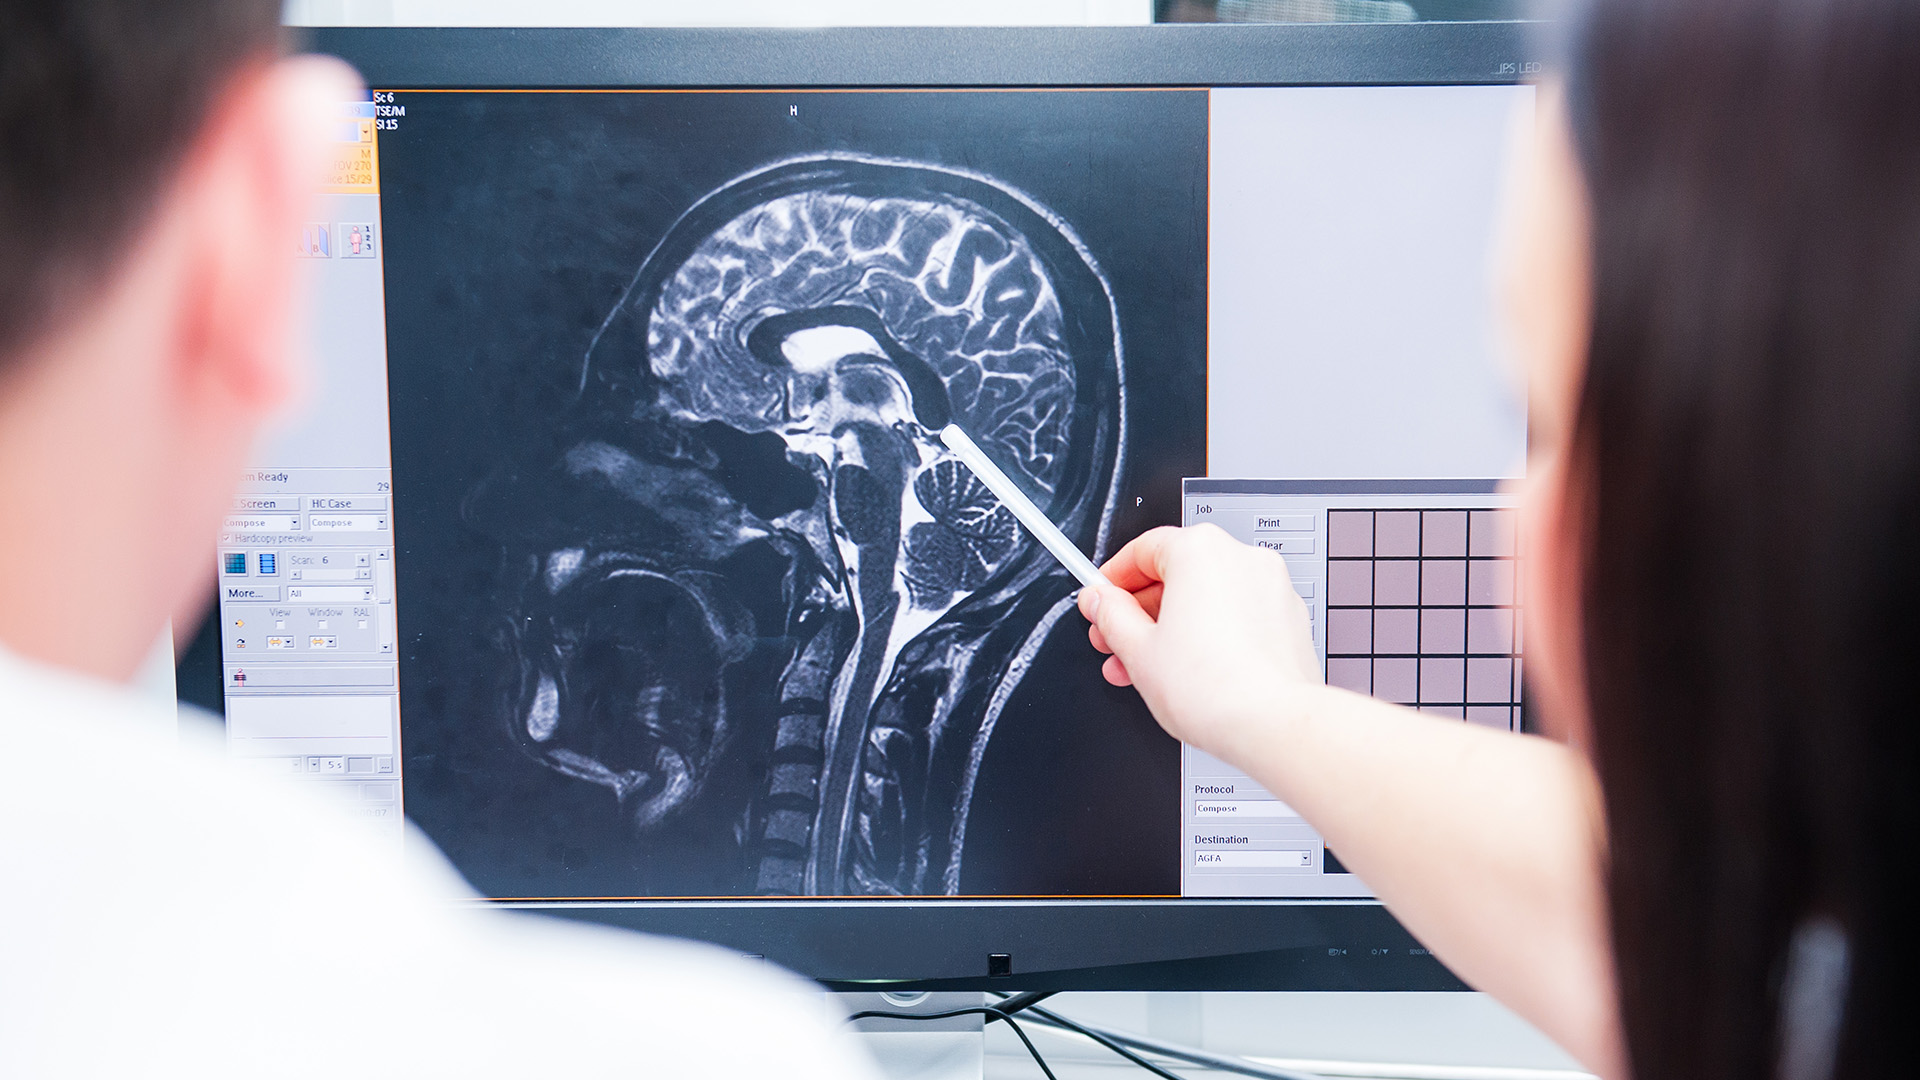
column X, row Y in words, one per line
column 1423, row 609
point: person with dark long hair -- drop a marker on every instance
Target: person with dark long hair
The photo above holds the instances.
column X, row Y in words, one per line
column 1714, row 288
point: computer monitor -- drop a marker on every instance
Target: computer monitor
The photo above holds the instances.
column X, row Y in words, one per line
column 617, row 547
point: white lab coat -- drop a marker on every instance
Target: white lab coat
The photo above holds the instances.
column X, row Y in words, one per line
column 163, row 912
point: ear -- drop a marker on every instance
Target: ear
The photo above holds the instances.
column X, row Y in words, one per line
column 243, row 193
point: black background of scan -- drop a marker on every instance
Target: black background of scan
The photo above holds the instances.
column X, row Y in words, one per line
column 513, row 222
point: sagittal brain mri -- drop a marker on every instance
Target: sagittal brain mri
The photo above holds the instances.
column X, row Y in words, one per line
column 792, row 564
column 694, row 601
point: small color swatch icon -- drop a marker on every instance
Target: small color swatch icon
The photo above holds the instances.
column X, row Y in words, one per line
column 268, row 564
column 315, row 241
column 235, row 562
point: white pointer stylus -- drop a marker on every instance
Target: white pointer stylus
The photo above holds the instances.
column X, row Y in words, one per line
column 1011, row 497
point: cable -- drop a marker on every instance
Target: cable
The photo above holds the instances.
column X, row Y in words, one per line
column 992, row 1013
column 1119, row 1042
column 1052, row 1019
column 1013, row 1003
column 1113, row 1040
column 1031, row 1049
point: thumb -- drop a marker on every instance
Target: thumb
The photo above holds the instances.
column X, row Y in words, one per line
column 1121, row 620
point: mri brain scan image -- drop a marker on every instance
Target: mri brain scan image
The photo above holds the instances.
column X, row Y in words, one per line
column 851, row 604
column 693, row 599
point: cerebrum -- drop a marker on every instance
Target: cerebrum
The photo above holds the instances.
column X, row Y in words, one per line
column 950, row 281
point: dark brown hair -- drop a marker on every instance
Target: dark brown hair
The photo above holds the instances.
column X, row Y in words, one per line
column 99, row 101
column 1748, row 452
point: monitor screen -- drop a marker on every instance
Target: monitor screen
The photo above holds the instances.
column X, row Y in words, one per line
column 616, row 545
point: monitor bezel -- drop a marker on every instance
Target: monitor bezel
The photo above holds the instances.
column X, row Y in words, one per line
column 1181, row 55
column 944, row 944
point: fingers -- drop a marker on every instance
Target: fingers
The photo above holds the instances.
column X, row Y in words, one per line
column 1123, row 625
column 1138, row 565
column 1149, row 600
column 1122, row 616
column 1097, row 639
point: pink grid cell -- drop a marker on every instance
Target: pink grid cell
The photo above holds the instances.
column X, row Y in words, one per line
column 1443, row 533
column 1396, row 630
column 1492, row 533
column 1490, row 630
column 1396, row 680
column 1443, row 581
column 1441, row 680
column 1396, row 582
column 1349, row 630
column 1490, row 582
column 1518, row 684
column 1349, row 533
column 1355, row 675
column 1443, row 630
column 1350, row 583
column 1493, row 716
column 1453, row 711
column 1396, row 533
column 1489, row 680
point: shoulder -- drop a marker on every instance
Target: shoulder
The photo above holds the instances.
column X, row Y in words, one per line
column 226, row 919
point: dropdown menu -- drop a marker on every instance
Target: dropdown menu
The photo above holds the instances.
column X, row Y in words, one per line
column 329, row 594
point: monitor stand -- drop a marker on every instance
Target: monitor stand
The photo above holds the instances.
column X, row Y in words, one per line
column 951, row 1049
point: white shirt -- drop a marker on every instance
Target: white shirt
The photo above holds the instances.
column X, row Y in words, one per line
column 164, row 913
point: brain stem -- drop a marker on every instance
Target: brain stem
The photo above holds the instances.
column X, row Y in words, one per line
column 866, row 505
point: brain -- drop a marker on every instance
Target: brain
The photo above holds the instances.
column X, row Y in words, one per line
column 950, row 281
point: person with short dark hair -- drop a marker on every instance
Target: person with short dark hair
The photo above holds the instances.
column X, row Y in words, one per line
column 161, row 914
column 1714, row 286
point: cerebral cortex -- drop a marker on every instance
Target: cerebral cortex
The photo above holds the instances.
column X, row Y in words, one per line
column 950, row 281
